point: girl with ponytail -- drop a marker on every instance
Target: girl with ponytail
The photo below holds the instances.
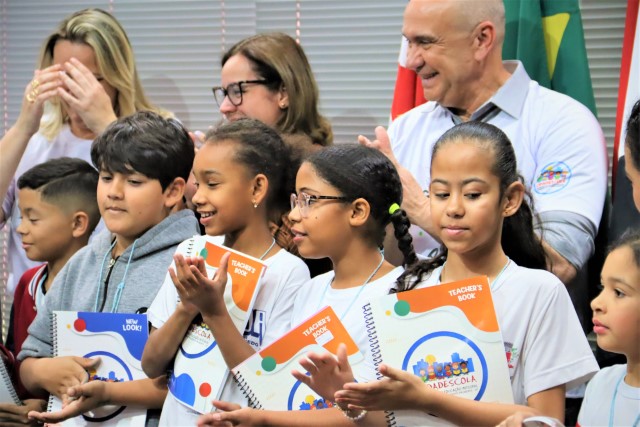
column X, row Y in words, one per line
column 481, row 217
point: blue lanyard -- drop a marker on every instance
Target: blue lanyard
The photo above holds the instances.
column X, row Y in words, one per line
column 120, row 288
column 491, row 283
column 612, row 410
column 353, row 301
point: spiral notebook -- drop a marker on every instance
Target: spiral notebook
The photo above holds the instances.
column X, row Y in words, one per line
column 265, row 378
column 7, row 391
column 450, row 339
column 199, row 371
column 118, row 339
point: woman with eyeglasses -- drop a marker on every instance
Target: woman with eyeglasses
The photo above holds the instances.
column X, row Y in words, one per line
column 268, row 77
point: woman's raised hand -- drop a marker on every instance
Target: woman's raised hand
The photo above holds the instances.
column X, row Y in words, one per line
column 82, row 91
column 42, row 87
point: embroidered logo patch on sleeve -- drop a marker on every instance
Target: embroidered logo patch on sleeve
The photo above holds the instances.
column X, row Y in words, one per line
column 553, row 177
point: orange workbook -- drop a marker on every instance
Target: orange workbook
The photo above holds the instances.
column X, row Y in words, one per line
column 266, row 378
column 199, row 371
column 448, row 335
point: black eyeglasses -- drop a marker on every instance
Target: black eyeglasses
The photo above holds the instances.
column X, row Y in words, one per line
column 304, row 200
column 234, row 91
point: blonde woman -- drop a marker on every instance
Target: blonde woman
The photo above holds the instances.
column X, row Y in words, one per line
column 86, row 78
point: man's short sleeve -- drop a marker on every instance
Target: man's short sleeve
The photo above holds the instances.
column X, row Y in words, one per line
column 571, row 162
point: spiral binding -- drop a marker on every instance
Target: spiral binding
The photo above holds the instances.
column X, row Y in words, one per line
column 50, row 403
column 390, row 416
column 372, row 336
column 189, row 252
column 246, row 390
column 54, row 323
column 191, row 243
column 8, row 384
column 54, row 333
column 374, row 345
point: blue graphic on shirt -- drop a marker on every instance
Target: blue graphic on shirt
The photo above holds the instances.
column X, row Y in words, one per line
column 256, row 326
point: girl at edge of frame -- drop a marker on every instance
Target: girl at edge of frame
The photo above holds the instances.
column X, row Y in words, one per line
column 345, row 197
column 613, row 395
column 616, row 322
column 239, row 171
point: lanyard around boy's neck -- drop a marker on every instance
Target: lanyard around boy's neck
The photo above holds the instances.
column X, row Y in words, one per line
column 120, row 288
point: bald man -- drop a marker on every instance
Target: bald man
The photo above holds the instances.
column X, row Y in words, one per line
column 455, row 46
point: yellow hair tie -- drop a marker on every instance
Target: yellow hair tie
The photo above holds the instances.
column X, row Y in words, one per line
column 393, row 208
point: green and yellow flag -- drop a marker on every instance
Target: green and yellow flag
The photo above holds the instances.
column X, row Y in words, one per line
column 547, row 36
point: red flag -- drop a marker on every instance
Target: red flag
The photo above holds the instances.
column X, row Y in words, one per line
column 408, row 91
column 629, row 89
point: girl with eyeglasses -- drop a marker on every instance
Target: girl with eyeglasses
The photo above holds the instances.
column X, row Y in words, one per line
column 268, row 77
column 239, row 172
column 346, row 196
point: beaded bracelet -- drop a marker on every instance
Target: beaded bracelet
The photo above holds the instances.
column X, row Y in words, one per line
column 355, row 419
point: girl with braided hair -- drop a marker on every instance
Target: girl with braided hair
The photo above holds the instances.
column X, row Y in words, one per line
column 345, row 197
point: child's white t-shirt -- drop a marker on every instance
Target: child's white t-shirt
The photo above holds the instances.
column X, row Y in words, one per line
column 347, row 304
column 543, row 340
column 596, row 406
column 270, row 319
